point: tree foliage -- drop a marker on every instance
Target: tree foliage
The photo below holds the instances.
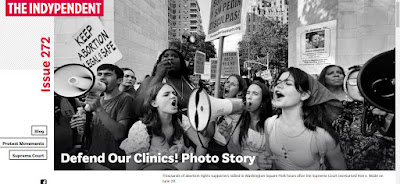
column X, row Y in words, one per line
column 189, row 49
column 270, row 39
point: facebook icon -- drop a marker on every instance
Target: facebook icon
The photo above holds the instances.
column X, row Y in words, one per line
column 43, row 181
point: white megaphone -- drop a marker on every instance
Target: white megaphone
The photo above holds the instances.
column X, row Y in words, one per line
column 73, row 80
column 203, row 108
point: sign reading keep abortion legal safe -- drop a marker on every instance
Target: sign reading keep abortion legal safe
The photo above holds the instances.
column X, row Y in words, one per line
column 94, row 45
column 225, row 17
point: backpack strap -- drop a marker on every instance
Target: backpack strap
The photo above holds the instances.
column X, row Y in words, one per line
column 319, row 135
column 267, row 131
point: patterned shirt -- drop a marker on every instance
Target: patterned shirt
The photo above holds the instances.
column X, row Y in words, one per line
column 375, row 152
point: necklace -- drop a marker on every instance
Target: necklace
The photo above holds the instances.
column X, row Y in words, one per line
column 284, row 148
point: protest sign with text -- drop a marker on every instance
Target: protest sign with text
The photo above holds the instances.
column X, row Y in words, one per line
column 94, row 45
column 199, row 59
column 316, row 46
column 230, row 64
column 225, row 18
column 207, row 71
column 213, row 69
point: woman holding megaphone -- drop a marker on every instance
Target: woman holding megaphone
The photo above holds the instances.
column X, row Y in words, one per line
column 364, row 143
column 248, row 138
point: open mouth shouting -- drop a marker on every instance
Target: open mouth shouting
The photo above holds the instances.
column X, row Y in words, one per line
column 248, row 105
column 278, row 95
column 174, row 103
column 226, row 92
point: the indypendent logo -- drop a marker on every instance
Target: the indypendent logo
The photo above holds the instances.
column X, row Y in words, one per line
column 54, row 7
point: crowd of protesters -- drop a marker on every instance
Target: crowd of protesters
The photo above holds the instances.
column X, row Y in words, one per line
column 295, row 123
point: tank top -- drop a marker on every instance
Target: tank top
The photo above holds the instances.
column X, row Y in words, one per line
column 294, row 153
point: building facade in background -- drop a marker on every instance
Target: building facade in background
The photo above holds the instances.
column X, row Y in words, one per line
column 139, row 28
column 277, row 10
column 183, row 18
column 364, row 28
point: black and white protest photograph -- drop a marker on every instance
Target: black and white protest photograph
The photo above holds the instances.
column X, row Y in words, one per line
column 258, row 85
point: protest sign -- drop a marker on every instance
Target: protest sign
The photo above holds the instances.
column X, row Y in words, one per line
column 94, row 45
column 266, row 75
column 199, row 59
column 213, row 69
column 195, row 79
column 316, row 46
column 207, row 71
column 225, row 18
column 230, row 64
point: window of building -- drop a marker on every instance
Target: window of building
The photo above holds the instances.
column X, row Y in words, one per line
column 173, row 17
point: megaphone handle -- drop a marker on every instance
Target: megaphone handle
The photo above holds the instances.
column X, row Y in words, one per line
column 86, row 138
column 76, row 138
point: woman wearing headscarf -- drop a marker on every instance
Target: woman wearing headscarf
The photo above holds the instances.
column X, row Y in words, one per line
column 332, row 78
column 300, row 136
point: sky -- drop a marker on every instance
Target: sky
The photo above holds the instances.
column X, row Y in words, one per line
column 231, row 41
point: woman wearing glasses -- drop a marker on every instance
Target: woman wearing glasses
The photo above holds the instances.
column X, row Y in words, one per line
column 362, row 152
column 248, row 138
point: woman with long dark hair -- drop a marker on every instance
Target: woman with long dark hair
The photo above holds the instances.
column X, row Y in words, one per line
column 161, row 130
column 300, row 137
column 234, row 88
column 248, row 138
